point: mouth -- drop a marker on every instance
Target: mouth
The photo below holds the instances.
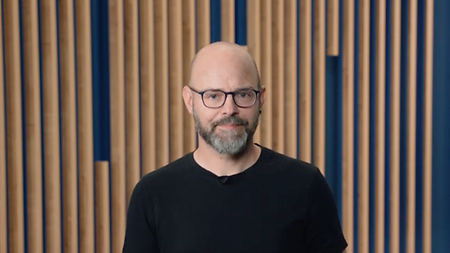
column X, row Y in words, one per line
column 229, row 126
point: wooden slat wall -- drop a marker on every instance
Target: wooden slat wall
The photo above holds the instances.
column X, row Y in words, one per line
column 151, row 47
column 33, row 127
column 68, row 126
column 3, row 202
column 380, row 110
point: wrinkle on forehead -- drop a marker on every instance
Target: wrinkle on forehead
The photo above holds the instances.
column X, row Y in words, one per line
column 222, row 61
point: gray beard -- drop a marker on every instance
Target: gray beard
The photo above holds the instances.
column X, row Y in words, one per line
column 231, row 142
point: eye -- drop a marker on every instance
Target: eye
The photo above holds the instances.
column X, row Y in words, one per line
column 213, row 95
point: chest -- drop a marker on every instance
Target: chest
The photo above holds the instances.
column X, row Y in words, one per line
column 231, row 219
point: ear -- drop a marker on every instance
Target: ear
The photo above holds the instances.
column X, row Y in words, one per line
column 187, row 97
column 262, row 97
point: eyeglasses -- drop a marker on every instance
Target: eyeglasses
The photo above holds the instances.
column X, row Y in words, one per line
column 243, row 98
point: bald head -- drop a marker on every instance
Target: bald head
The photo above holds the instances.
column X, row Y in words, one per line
column 223, row 62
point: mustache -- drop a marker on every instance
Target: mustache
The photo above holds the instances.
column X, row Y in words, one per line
column 234, row 120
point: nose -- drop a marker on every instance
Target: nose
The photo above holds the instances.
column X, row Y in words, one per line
column 230, row 107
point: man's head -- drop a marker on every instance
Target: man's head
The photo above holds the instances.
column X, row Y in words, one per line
column 224, row 121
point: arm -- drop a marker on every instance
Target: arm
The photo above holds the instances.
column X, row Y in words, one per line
column 324, row 228
column 140, row 233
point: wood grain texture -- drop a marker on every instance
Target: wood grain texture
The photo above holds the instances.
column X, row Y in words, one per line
column 68, row 126
column 3, row 180
column 227, row 8
column 318, row 97
column 305, row 78
column 50, row 91
column 117, row 117
column 132, row 96
column 13, row 104
column 427, row 127
column 347, row 123
column 380, row 114
column 394, row 163
column 102, row 225
column 363, row 124
column 147, row 82
column 333, row 27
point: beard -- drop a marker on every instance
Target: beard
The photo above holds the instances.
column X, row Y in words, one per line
column 227, row 142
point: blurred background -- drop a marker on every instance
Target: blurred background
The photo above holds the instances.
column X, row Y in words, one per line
column 90, row 100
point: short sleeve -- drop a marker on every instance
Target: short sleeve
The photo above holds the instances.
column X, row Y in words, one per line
column 324, row 232
column 140, row 234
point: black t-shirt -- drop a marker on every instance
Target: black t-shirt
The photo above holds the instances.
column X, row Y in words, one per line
column 277, row 205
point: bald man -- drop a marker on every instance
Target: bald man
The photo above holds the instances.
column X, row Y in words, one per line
column 231, row 194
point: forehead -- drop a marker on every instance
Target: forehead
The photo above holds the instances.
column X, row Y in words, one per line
column 224, row 70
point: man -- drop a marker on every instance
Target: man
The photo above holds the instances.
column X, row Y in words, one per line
column 231, row 195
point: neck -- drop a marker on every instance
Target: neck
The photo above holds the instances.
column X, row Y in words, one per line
column 226, row 165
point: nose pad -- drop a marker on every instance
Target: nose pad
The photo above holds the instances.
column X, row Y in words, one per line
column 230, row 106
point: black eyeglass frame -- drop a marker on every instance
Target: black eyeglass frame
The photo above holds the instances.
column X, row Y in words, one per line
column 232, row 93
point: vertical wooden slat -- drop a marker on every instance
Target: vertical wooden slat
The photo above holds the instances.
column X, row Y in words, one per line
column 85, row 125
column 51, row 126
column 33, row 125
column 117, row 107
column 319, row 85
column 305, row 12
column 394, row 157
column 363, row 124
column 290, row 73
column 380, row 100
column 3, row 204
column 254, row 44
column 13, row 126
column 278, row 75
column 347, row 122
column 227, row 20
column 102, row 227
column 189, row 135
column 203, row 23
column 411, row 128
column 162, row 82
column 175, row 78
column 132, row 95
column 68, row 126
column 333, row 27
column 147, row 75
column 427, row 126
column 266, row 72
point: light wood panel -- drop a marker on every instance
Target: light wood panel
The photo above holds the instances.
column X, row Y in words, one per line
column 102, row 225
column 203, row 23
column 333, row 27
column 85, row 125
column 318, row 97
column 363, row 124
column 278, row 75
column 411, row 128
column 304, row 96
column 227, row 17
column 14, row 155
column 175, row 79
column 162, row 82
column 132, row 96
column 380, row 111
column 51, row 126
column 147, row 82
column 427, row 127
column 3, row 180
column 266, row 72
column 290, row 74
column 347, row 122
column 394, row 157
column 33, row 126
column 254, row 46
column 189, row 31
column 117, row 111
column 68, row 126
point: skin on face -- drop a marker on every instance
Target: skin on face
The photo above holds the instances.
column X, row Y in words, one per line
column 227, row 67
